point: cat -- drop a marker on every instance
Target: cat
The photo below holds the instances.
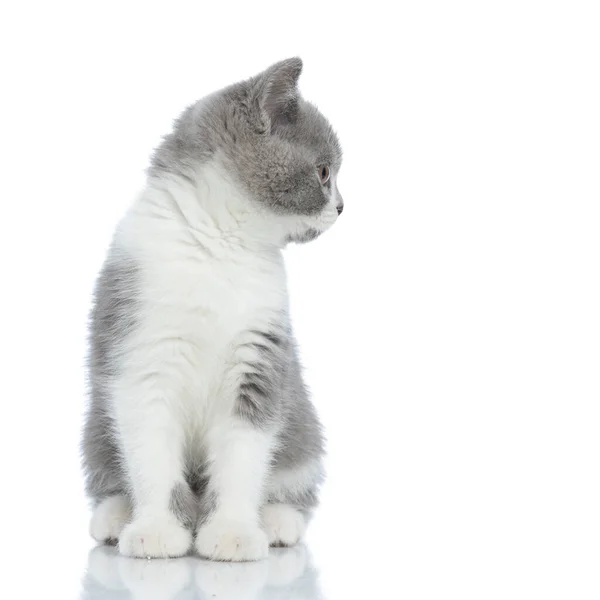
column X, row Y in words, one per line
column 199, row 430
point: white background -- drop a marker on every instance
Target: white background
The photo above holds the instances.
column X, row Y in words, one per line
column 449, row 323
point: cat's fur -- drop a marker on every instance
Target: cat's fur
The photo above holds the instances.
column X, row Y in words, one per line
column 200, row 427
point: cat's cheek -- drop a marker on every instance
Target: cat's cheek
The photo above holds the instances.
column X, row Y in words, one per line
column 327, row 218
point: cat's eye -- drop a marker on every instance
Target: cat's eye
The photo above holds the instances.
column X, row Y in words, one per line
column 323, row 171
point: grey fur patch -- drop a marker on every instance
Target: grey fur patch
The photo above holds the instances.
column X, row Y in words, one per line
column 198, row 481
column 301, row 439
column 112, row 318
column 208, row 505
column 259, row 395
column 104, row 475
column 184, row 505
column 305, row 501
column 279, row 98
column 299, row 434
column 306, row 236
column 269, row 138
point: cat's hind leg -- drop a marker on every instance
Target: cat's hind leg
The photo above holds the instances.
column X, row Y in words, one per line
column 284, row 524
column 109, row 518
column 292, row 496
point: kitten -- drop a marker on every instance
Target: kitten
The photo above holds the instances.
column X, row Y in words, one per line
column 200, row 430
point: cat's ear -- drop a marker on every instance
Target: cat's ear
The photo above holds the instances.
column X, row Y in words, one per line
column 278, row 92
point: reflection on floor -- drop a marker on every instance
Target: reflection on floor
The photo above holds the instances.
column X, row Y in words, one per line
column 285, row 574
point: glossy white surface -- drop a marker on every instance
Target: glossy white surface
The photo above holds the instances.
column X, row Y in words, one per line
column 286, row 574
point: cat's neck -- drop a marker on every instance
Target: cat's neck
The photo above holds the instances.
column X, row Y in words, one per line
column 212, row 210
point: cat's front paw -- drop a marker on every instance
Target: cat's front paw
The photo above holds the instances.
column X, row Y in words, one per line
column 221, row 539
column 155, row 537
column 283, row 524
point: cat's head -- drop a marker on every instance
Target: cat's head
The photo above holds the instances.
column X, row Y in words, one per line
column 277, row 148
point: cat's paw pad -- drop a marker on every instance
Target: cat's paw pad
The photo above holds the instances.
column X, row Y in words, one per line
column 109, row 518
column 155, row 537
column 227, row 540
column 283, row 524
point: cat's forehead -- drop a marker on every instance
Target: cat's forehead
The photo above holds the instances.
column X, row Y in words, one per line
column 313, row 131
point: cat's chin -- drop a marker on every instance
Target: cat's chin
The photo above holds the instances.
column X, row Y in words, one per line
column 302, row 237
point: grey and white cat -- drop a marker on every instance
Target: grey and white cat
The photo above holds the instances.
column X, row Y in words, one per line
column 200, row 430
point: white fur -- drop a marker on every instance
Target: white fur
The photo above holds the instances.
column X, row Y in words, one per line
column 286, row 482
column 231, row 540
column 283, row 524
column 157, row 535
column 109, row 518
column 238, row 466
column 211, row 269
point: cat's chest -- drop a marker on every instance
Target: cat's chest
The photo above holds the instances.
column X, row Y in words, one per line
column 211, row 301
column 233, row 296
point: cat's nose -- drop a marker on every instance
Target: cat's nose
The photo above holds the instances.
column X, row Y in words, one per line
column 340, row 208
